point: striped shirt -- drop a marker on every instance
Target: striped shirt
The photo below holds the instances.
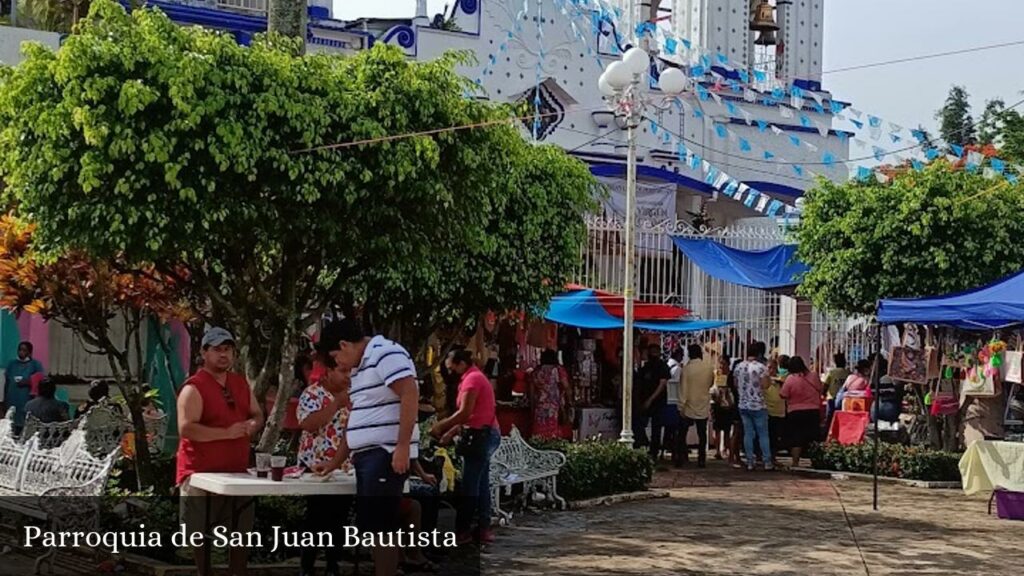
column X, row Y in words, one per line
column 376, row 408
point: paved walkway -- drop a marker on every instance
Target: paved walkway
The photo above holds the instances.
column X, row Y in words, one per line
column 725, row 521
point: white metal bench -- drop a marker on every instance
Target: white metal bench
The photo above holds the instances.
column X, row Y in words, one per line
column 516, row 462
column 58, row 485
column 50, row 434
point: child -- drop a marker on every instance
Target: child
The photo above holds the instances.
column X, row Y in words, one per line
column 776, row 406
column 723, row 409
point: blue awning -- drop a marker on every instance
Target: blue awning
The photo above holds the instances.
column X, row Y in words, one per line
column 773, row 269
column 990, row 307
column 582, row 309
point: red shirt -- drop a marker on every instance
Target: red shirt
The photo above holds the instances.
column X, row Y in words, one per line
column 484, row 410
column 216, row 455
column 802, row 392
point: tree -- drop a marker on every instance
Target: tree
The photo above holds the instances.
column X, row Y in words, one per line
column 268, row 183
column 955, row 123
column 931, row 232
column 288, row 18
column 91, row 297
column 990, row 127
column 1012, row 144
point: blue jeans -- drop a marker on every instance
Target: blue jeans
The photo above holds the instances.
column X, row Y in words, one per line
column 476, row 488
column 378, row 491
column 756, row 422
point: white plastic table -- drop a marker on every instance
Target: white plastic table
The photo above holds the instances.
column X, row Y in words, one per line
column 245, row 484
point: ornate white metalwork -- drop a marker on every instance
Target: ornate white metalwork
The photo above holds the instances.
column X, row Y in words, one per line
column 516, row 462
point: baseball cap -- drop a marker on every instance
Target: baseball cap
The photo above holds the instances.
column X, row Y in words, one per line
column 216, row 336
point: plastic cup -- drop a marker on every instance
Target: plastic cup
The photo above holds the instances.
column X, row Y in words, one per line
column 277, row 468
column 262, row 464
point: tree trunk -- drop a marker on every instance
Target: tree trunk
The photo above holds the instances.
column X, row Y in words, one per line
column 288, row 18
column 132, row 391
column 285, row 390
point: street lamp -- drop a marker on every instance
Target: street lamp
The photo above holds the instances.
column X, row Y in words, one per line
column 625, row 87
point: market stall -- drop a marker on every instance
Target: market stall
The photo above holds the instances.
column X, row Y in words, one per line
column 984, row 353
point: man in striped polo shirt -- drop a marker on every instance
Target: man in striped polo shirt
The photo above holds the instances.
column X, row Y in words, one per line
column 382, row 433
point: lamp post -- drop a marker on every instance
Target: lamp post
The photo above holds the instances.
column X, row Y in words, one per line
column 624, row 84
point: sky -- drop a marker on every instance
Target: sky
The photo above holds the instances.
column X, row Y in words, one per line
column 868, row 31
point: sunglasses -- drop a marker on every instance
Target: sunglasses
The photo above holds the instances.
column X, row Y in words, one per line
column 227, row 396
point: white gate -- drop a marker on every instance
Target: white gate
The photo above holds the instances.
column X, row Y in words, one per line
column 665, row 275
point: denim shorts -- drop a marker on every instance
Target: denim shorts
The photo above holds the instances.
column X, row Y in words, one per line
column 378, row 491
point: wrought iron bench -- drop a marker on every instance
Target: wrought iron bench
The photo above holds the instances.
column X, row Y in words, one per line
column 516, row 462
column 50, row 434
column 57, row 485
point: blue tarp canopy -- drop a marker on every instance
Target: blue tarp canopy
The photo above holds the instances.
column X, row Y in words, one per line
column 582, row 309
column 773, row 269
column 990, row 307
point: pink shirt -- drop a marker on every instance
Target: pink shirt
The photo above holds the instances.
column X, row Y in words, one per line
column 802, row 392
column 856, row 382
column 484, row 410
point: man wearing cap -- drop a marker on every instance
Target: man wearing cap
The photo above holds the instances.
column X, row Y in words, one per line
column 217, row 416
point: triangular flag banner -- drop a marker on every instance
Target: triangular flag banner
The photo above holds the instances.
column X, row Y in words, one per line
column 875, row 133
column 919, row 135
column 816, row 97
column 670, row 45
column 843, row 136
column 818, row 108
column 744, row 145
column 856, row 112
column 722, row 58
column 721, row 181
column 863, row 173
column 744, row 76
column 749, row 202
column 695, row 161
column 860, row 143
column 895, row 138
column 998, row 165
column 731, row 108
column 858, row 124
column 705, row 61
column 730, row 189
column 705, row 166
column 654, row 127
column 894, row 127
column 697, row 113
column 760, row 76
column 762, row 203
column 989, row 173
column 797, row 102
column 879, row 153
column 957, row 149
column 768, row 155
column 828, row 158
column 882, row 178
column 1012, row 178
column 711, row 176
column 822, row 129
column 720, row 130
column 774, row 207
column 681, row 152
column 778, row 93
column 835, row 107
column 932, row 153
column 810, row 146
column 697, row 71
column 917, row 164
column 775, row 129
column 749, row 95
column 874, row 121
column 747, row 116
column 762, row 126
column 785, row 112
column 666, row 137
column 794, row 140
column 976, row 158
column 805, row 120
column 798, row 169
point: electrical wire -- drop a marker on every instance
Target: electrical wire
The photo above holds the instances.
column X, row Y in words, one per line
column 924, row 57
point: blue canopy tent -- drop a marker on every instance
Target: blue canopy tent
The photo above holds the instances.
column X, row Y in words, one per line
column 997, row 305
column 582, row 309
column 775, row 269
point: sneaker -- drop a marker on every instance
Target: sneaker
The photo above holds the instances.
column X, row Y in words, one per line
column 750, row 467
column 769, row 468
column 487, row 536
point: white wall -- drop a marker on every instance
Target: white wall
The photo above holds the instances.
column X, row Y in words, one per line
column 11, row 39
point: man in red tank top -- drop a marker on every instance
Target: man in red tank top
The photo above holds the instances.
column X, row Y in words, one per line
column 217, row 417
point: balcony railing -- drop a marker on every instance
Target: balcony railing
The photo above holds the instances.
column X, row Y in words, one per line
column 248, row 6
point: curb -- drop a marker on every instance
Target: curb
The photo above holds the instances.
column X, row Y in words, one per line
column 617, row 499
column 834, row 475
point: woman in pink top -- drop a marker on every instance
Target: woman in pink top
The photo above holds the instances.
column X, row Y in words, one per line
column 476, row 421
column 802, row 392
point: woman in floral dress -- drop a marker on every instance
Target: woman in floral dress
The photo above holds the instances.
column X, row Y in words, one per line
column 323, row 414
column 550, row 394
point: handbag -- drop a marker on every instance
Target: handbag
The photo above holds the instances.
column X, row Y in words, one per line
column 977, row 382
column 944, row 403
column 1012, row 364
column 908, row 364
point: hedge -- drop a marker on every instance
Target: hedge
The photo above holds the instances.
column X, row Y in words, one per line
column 894, row 460
column 599, row 468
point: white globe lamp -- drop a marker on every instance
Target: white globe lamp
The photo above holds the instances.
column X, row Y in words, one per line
column 637, row 60
column 672, row 81
column 603, row 85
column 618, row 75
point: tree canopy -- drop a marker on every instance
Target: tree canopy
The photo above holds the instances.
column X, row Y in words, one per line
column 923, row 233
column 955, row 123
column 271, row 184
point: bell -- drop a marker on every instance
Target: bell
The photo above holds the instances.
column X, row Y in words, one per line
column 764, row 18
column 766, row 38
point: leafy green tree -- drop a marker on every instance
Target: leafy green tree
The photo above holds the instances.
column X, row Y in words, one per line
column 271, row 184
column 955, row 123
column 1012, row 145
column 924, row 233
column 991, row 125
column 288, row 18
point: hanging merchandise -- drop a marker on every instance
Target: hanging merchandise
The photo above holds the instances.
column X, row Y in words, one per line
column 907, row 364
column 981, row 373
column 945, row 400
column 1012, row 364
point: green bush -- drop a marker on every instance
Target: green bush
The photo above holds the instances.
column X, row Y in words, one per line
column 599, row 468
column 894, row 461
